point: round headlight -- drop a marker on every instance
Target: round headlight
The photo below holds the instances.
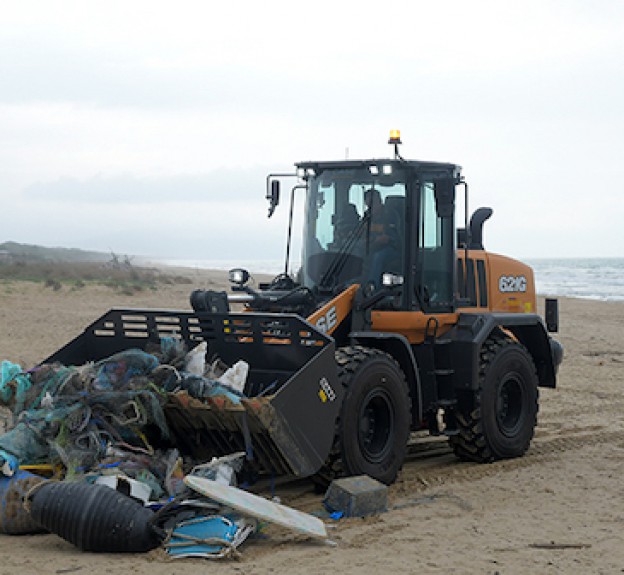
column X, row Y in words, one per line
column 239, row 276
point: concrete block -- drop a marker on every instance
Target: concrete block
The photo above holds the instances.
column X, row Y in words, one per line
column 357, row 496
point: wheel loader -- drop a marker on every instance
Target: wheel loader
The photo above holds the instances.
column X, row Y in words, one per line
column 396, row 321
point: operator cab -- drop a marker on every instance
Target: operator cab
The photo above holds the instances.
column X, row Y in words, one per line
column 381, row 224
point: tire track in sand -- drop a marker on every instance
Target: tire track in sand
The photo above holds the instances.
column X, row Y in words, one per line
column 432, row 463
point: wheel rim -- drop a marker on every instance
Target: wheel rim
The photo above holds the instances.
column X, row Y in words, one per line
column 376, row 423
column 509, row 404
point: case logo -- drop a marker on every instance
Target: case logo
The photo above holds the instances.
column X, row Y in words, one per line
column 509, row 284
column 326, row 322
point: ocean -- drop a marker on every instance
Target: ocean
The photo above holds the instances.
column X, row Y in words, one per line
column 590, row 278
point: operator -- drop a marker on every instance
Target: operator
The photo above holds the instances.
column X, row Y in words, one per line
column 346, row 226
column 382, row 238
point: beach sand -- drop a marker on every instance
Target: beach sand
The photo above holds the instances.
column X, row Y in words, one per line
column 559, row 509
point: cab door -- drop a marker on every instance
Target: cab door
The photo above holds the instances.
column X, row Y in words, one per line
column 429, row 286
column 434, row 253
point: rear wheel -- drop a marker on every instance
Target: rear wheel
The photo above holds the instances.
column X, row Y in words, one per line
column 375, row 416
column 500, row 422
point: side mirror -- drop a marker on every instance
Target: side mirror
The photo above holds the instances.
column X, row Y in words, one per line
column 445, row 198
column 273, row 195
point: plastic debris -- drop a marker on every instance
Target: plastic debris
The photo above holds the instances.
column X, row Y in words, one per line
column 102, row 428
column 24, row 443
column 180, row 509
column 174, row 474
column 73, row 414
column 14, row 518
column 14, row 384
column 131, row 487
column 216, row 369
column 221, row 469
column 171, row 351
column 195, row 361
column 250, row 505
column 93, row 517
column 236, row 376
column 8, row 463
column 202, row 388
column 211, row 537
column 116, row 371
column 191, row 374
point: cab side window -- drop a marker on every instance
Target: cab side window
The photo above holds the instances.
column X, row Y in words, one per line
column 434, row 246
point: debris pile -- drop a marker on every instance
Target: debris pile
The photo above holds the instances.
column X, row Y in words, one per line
column 88, row 455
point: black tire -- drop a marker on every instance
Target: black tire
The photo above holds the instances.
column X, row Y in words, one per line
column 501, row 421
column 375, row 416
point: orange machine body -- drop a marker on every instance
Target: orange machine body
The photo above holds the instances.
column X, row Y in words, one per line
column 490, row 283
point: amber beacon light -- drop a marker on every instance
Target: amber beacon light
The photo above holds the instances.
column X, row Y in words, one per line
column 395, row 140
column 395, row 137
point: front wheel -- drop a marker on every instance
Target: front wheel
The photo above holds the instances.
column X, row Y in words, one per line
column 500, row 422
column 375, row 417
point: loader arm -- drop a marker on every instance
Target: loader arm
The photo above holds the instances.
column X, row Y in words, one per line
column 331, row 315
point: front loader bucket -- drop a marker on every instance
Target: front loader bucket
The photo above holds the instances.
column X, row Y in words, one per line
column 286, row 421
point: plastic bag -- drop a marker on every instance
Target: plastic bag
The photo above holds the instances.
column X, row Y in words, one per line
column 195, row 361
column 236, row 376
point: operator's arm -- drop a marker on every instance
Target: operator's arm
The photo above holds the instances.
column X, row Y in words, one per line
column 390, row 229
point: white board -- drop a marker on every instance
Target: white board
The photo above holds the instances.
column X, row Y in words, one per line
column 255, row 506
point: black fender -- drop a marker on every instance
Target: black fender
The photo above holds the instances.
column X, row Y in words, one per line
column 547, row 352
column 473, row 329
column 400, row 349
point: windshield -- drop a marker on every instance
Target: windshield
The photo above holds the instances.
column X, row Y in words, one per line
column 354, row 230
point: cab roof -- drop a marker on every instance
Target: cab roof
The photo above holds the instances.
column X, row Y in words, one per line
column 416, row 165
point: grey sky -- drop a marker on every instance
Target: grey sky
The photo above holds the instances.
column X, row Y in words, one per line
column 149, row 127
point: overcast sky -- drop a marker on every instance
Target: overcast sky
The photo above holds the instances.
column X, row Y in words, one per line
column 148, row 127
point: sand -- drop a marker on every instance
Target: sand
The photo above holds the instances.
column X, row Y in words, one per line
column 559, row 509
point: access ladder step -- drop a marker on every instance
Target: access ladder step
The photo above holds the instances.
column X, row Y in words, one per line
column 446, row 402
column 444, row 371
